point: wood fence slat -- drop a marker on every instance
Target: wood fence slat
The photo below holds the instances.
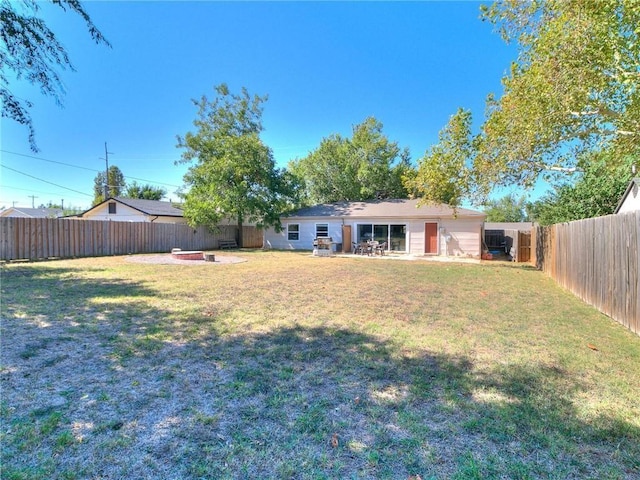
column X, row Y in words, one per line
column 598, row 260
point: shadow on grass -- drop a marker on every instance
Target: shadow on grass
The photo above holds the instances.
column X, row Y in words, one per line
column 62, row 294
column 151, row 395
column 289, row 392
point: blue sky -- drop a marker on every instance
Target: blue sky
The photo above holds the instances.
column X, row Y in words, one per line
column 325, row 66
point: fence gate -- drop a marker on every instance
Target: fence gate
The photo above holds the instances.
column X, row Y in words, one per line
column 524, row 246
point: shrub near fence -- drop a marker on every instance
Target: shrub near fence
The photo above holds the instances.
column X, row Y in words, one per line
column 598, row 260
column 38, row 238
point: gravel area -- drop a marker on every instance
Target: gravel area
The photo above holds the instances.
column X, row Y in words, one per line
column 167, row 259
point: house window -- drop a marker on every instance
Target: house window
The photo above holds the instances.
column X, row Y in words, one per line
column 293, row 232
column 112, row 208
column 322, row 230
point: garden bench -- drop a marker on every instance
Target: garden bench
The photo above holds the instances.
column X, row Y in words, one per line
column 222, row 244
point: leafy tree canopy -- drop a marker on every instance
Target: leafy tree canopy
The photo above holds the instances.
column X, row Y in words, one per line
column 146, row 191
column 507, row 209
column 573, row 91
column 116, row 184
column 443, row 174
column 69, row 210
column 574, row 88
column 29, row 50
column 233, row 173
column 363, row 167
column 596, row 192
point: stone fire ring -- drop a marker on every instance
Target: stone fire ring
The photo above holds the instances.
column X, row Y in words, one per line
column 189, row 255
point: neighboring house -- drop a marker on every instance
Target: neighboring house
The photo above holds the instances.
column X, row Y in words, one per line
column 119, row 209
column 407, row 228
column 31, row 212
column 630, row 200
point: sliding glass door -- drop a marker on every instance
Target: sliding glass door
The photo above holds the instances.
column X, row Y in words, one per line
column 394, row 234
column 398, row 238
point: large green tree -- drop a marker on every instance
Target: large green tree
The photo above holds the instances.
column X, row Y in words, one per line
column 574, row 87
column 443, row 174
column 30, row 51
column 144, row 191
column 365, row 166
column 573, row 90
column 509, row 208
column 595, row 192
column 115, row 184
column 232, row 173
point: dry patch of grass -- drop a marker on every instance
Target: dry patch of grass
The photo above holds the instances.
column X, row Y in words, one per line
column 289, row 366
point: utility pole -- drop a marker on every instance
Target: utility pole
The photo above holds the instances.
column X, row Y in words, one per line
column 106, row 172
column 62, row 204
column 33, row 200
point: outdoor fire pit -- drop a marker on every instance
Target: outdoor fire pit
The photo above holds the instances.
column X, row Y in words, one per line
column 187, row 254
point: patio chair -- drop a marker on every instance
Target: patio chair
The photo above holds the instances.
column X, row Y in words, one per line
column 380, row 248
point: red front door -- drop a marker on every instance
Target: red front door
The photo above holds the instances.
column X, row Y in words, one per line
column 430, row 238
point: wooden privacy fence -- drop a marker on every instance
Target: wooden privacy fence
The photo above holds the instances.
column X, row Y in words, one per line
column 252, row 237
column 598, row 260
column 39, row 238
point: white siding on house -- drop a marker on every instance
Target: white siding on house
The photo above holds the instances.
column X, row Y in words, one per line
column 125, row 213
column 415, row 234
column 465, row 237
column 164, row 219
column 307, row 234
column 631, row 202
column 465, row 234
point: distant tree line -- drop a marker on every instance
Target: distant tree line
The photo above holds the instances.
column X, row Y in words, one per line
column 118, row 187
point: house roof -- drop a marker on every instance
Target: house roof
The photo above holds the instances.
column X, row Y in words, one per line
column 398, row 208
column 635, row 182
column 32, row 212
column 148, row 207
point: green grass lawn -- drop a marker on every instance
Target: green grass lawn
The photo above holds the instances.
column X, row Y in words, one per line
column 290, row 366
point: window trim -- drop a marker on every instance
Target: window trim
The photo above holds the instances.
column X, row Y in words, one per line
column 290, row 232
column 322, row 224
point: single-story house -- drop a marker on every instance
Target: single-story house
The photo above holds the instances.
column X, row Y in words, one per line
column 630, row 201
column 31, row 212
column 120, row 209
column 402, row 224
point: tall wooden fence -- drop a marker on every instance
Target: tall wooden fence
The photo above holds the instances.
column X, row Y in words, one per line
column 598, row 260
column 252, row 237
column 39, row 238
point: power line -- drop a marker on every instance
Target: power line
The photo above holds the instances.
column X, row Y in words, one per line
column 50, row 161
column 45, row 181
column 86, row 168
column 9, row 187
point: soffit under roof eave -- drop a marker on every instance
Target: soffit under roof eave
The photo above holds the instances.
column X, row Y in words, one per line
column 406, row 217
